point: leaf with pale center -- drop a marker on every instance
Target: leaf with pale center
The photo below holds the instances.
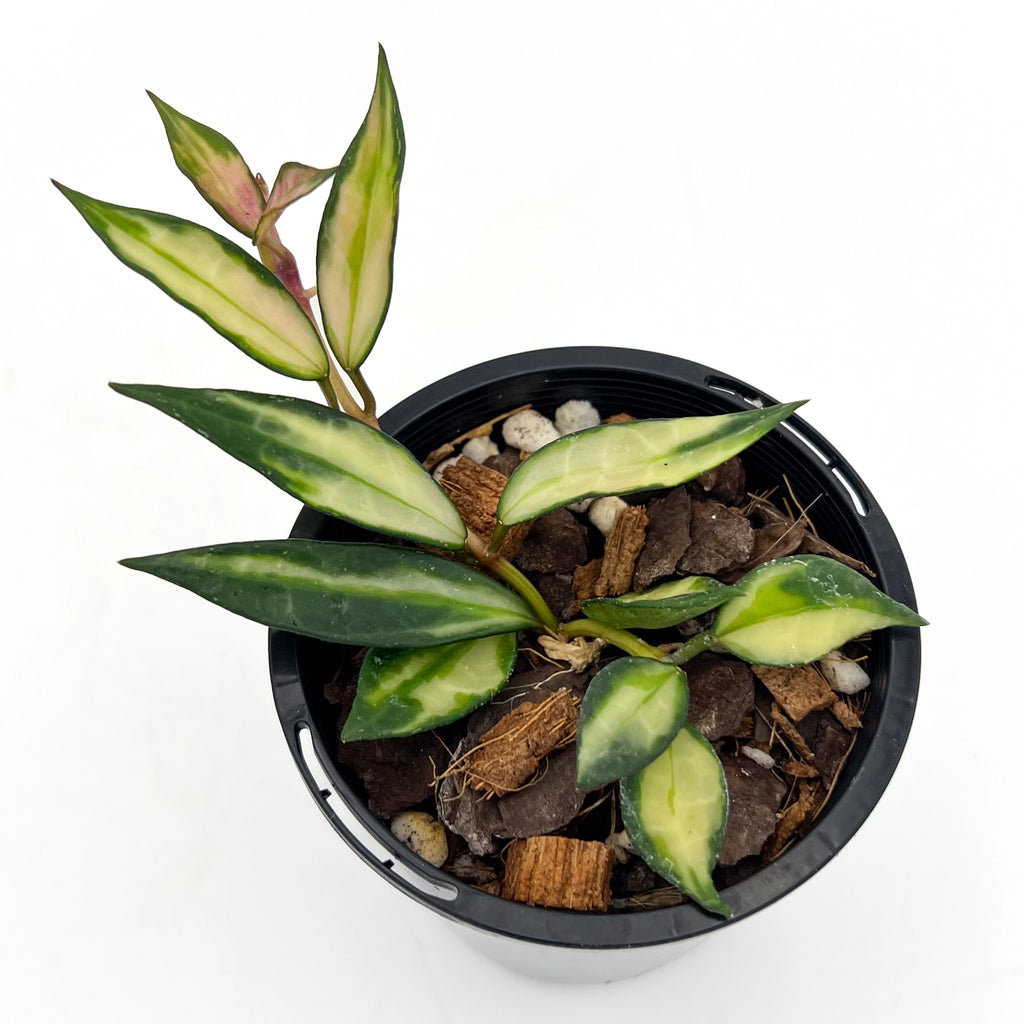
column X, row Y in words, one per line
column 405, row 692
column 662, row 606
column 328, row 460
column 213, row 277
column 797, row 609
column 675, row 811
column 360, row 594
column 294, row 181
column 356, row 245
column 630, row 713
column 619, row 458
column 216, row 168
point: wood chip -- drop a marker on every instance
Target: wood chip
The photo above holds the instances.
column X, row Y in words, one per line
column 793, row 819
column 798, row 769
column 584, row 580
column 476, row 490
column 621, row 551
column 620, row 417
column 799, row 690
column 847, row 717
column 790, row 731
column 509, row 754
column 553, row 871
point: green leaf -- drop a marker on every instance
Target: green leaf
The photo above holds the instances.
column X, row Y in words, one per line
column 216, row 168
column 328, row 460
column 675, row 810
column 214, row 278
column 404, row 692
column 619, row 458
column 356, row 245
column 294, row 181
column 665, row 605
column 361, row 594
column 796, row 609
column 631, row 711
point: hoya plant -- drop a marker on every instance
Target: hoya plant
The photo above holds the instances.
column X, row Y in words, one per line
column 441, row 630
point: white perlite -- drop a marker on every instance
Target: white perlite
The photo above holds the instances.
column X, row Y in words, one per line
column 576, row 414
column 528, row 430
column 758, row 757
column 843, row 674
column 423, row 835
column 479, row 449
column 603, row 513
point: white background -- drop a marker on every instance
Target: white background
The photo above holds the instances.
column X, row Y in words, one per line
column 822, row 199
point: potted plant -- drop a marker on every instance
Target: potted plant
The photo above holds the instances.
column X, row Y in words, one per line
column 383, row 560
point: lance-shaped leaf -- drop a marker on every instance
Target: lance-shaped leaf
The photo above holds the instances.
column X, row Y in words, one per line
column 356, row 245
column 404, row 692
column 619, row 458
column 362, row 594
column 216, row 168
column 665, row 605
column 232, row 292
column 674, row 811
column 326, row 459
column 796, row 609
column 631, row 711
column 294, row 181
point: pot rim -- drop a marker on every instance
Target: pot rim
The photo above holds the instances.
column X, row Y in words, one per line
column 860, row 789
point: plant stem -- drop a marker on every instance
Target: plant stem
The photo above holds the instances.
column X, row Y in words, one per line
column 701, row 642
column 506, row 571
column 369, row 401
column 621, row 638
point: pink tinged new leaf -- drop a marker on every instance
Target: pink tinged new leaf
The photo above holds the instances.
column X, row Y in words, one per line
column 294, row 181
column 216, row 168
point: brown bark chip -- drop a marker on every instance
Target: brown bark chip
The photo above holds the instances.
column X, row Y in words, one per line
column 799, row 690
column 509, row 754
column 621, row 550
column 721, row 539
column 552, row 871
column 584, row 580
column 792, row 734
column 721, row 695
column 846, row 716
column 668, row 537
column 475, row 491
column 556, row 543
column 727, row 482
column 795, row 817
column 755, row 795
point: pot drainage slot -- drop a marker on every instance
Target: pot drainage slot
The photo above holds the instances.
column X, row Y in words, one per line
column 857, row 499
column 800, row 436
column 737, row 390
column 354, row 831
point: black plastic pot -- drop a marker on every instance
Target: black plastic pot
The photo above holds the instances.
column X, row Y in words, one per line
column 577, row 946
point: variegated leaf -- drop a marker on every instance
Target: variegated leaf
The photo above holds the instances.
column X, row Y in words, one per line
column 675, row 811
column 620, row 458
column 630, row 713
column 404, row 692
column 361, row 594
column 796, row 609
column 216, row 168
column 326, row 459
column 356, row 244
column 232, row 292
column 294, row 181
column 665, row 605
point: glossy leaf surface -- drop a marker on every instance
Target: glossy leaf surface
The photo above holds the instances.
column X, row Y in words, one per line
column 665, row 605
column 675, row 810
column 620, row 458
column 356, row 244
column 362, row 594
column 328, row 460
column 630, row 713
column 216, row 168
column 796, row 609
column 404, row 692
column 231, row 291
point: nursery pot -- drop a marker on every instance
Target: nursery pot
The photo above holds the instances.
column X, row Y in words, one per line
column 573, row 946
